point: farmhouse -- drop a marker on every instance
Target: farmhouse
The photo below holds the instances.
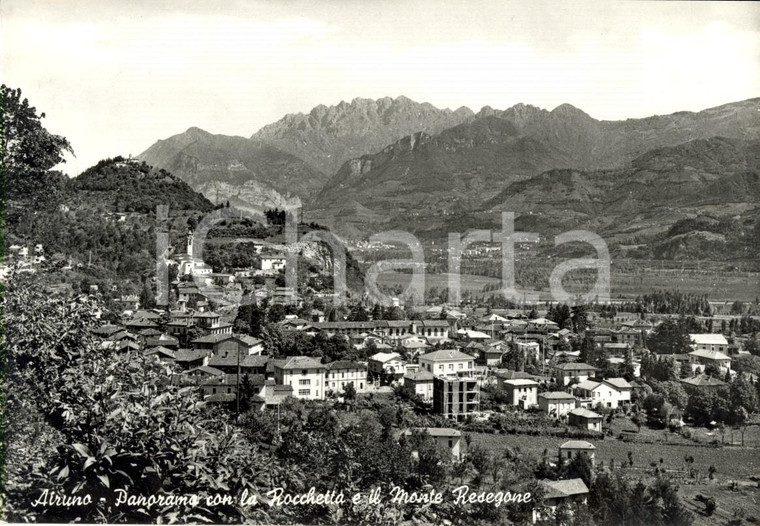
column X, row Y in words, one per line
column 572, row 447
column 585, row 419
column 557, row 492
column 448, row 438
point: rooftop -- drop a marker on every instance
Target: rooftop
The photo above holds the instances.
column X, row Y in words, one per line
column 557, row 395
column 445, row 355
column 577, row 444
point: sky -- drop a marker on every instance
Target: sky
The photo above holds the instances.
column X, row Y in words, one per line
column 115, row 76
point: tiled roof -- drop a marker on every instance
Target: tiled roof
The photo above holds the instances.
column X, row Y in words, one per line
column 708, row 339
column 585, row 413
column 346, row 364
column 422, row 375
column 577, row 444
column 213, row 371
column 710, row 355
column 518, row 382
column 588, row 385
column 436, row 431
column 213, row 338
column 618, row 383
column 385, row 357
column 563, row 488
column 557, row 395
column 703, row 380
column 445, row 355
column 299, row 362
column 190, row 355
column 577, row 366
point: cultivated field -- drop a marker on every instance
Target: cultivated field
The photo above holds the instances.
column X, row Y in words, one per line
column 743, row 286
column 741, row 463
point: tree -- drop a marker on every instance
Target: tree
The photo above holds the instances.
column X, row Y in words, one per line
column 349, row 392
column 588, row 350
column 579, row 319
column 27, row 148
column 147, row 299
column 671, row 337
column 580, row 466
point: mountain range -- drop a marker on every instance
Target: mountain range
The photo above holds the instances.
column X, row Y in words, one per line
column 367, row 166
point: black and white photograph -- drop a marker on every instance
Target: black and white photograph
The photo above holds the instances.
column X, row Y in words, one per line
column 380, row 263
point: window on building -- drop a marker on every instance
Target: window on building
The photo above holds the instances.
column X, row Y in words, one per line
column 304, row 392
column 304, row 382
column 304, row 372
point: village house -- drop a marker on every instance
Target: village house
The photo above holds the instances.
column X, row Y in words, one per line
column 447, row 362
column 528, row 349
column 190, row 358
column 232, row 358
column 701, row 382
column 421, row 382
column 521, row 392
column 705, row 357
column 585, row 419
column 389, row 363
column 566, row 373
column 556, row 403
column 210, row 323
column 573, row 447
column 340, row 374
column 304, row 374
column 557, row 492
column 709, row 342
column 448, row 438
column 272, row 263
column 271, row 396
column 609, row 393
column 286, row 296
column 490, row 355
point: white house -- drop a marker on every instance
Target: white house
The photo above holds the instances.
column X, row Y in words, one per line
column 386, row 363
column 709, row 342
column 585, row 419
column 447, row 437
column 558, row 491
column 556, row 403
column 447, row 362
column 572, row 447
column 273, row 263
column 304, row 374
column 522, row 392
column 341, row 373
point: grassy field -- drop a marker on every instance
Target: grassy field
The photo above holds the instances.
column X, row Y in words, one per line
column 738, row 462
column 743, row 501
